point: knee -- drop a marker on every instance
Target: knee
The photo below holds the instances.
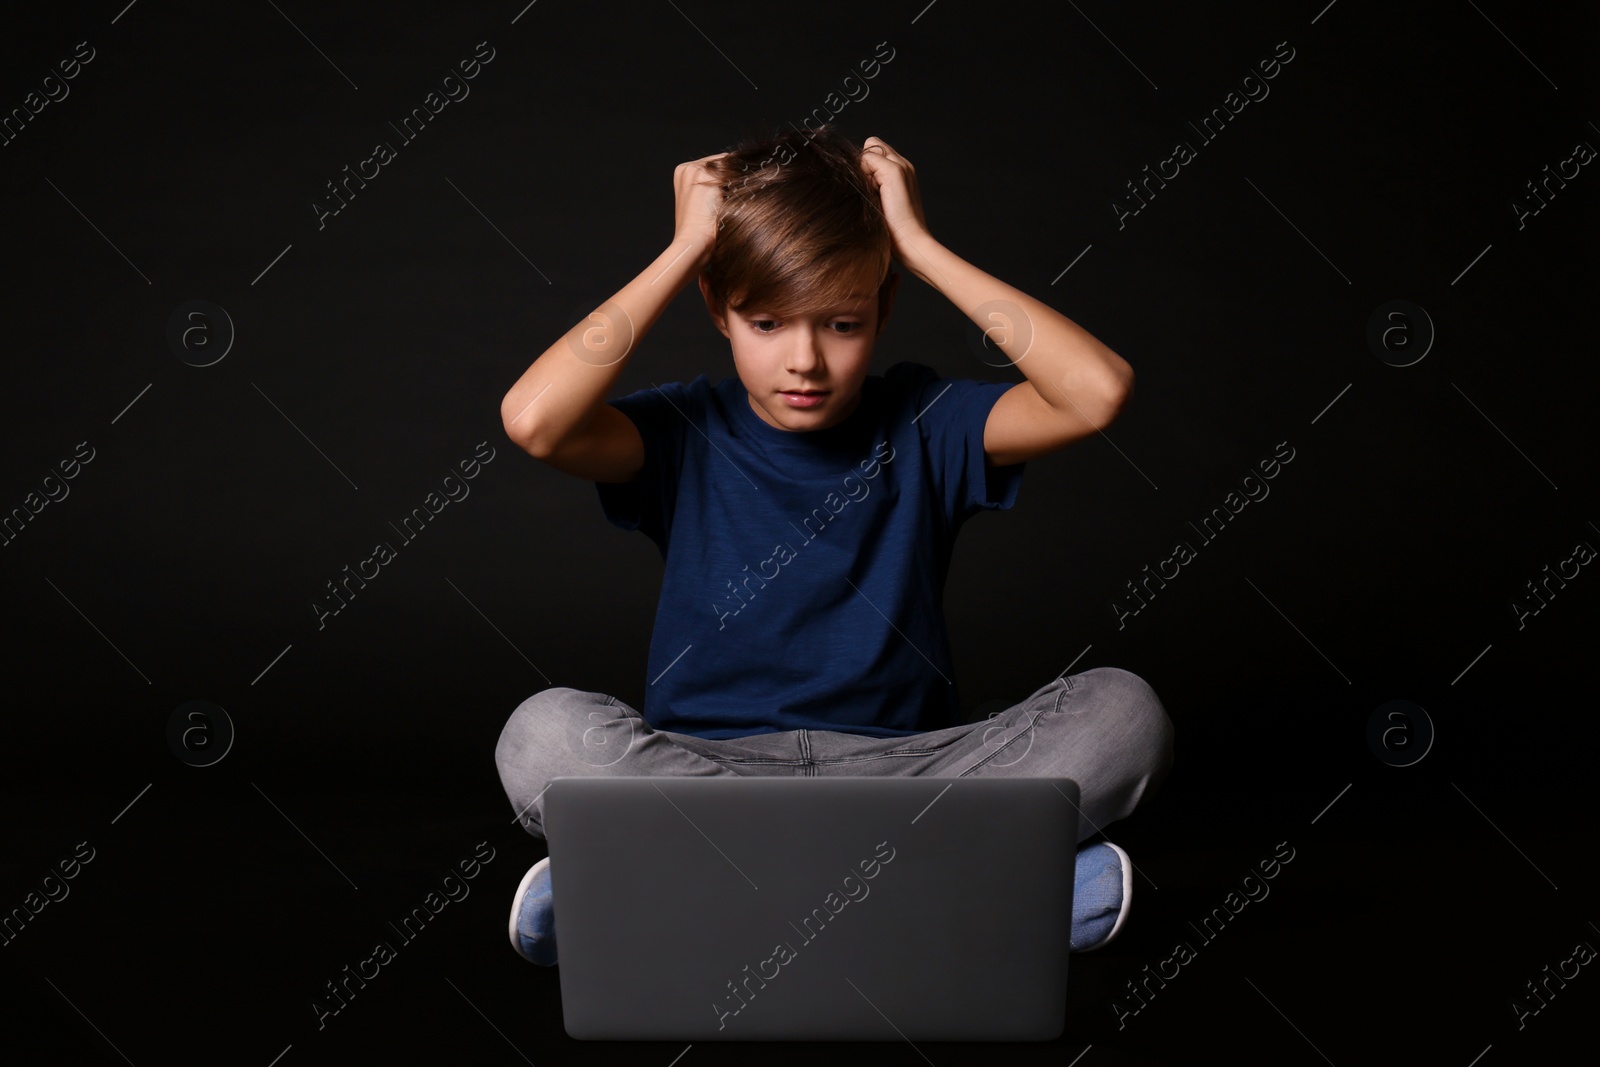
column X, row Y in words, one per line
column 529, row 730
column 558, row 729
column 1141, row 721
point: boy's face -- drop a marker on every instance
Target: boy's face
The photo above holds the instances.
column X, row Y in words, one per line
column 825, row 354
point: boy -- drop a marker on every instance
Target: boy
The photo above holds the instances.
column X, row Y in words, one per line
column 806, row 512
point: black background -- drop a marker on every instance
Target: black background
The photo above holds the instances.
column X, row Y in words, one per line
column 371, row 357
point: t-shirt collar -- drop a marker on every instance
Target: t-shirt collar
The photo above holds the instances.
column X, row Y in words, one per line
column 843, row 437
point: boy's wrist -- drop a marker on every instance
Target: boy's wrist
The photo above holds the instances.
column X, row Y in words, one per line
column 695, row 246
column 918, row 252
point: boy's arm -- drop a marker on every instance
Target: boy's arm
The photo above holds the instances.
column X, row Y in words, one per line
column 1076, row 385
column 551, row 412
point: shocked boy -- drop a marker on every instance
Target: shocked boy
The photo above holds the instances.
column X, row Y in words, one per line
column 806, row 511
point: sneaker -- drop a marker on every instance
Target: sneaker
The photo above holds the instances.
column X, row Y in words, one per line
column 1102, row 890
column 533, row 921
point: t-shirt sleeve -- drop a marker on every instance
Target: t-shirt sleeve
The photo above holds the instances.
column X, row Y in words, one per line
column 950, row 414
column 663, row 415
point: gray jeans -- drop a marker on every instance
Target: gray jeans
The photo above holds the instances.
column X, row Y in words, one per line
column 1104, row 728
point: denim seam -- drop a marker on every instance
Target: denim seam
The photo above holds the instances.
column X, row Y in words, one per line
column 1021, row 733
column 881, row 755
column 754, row 759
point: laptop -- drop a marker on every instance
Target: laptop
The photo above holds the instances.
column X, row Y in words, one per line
column 824, row 908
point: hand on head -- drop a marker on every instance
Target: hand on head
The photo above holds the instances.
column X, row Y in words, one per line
column 899, row 197
column 698, row 194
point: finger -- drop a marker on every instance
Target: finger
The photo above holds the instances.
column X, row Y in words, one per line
column 877, row 162
column 699, row 164
column 881, row 146
column 890, row 159
column 877, row 179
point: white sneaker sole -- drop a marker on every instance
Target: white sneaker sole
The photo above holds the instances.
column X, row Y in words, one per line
column 1127, row 898
column 516, row 901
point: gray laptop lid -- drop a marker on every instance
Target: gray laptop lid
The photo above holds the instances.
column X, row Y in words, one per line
column 738, row 908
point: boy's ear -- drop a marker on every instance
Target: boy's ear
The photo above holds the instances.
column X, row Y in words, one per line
column 719, row 317
column 886, row 293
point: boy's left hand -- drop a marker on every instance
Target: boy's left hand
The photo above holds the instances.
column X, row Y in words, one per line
column 899, row 197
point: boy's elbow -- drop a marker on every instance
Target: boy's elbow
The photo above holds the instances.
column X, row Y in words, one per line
column 1117, row 397
column 1122, row 379
column 519, row 426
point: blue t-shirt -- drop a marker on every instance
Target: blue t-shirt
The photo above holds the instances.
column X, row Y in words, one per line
column 805, row 570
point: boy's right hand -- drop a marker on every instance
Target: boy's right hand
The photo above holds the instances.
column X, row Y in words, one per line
column 698, row 192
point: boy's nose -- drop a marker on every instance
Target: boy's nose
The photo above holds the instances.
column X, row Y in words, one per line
column 806, row 356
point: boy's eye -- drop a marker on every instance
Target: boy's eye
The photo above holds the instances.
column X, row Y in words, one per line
column 768, row 325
